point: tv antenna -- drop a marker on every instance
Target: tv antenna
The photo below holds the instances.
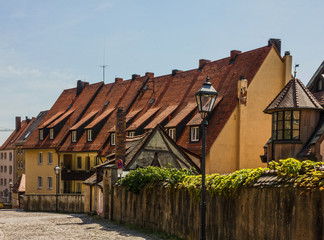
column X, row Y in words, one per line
column 103, row 71
column 104, row 66
column 296, row 66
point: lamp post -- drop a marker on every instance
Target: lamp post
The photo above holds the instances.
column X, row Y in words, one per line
column 57, row 172
column 10, row 191
column 205, row 97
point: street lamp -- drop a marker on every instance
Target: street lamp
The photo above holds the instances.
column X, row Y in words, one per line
column 10, row 192
column 57, row 172
column 205, row 97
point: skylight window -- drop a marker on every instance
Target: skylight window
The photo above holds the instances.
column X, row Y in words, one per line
column 26, row 136
column 152, row 101
column 106, row 103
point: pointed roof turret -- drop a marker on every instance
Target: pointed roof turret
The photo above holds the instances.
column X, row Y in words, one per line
column 293, row 96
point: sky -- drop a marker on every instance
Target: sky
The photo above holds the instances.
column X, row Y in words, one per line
column 46, row 46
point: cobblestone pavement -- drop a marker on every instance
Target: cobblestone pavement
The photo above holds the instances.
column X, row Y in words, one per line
column 17, row 224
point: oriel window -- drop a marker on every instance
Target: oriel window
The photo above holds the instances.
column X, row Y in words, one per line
column 286, row 125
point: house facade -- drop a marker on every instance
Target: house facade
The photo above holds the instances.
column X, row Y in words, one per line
column 79, row 131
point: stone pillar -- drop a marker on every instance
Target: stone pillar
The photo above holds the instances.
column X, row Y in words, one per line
column 110, row 177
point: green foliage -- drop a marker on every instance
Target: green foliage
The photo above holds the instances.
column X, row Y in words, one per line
column 306, row 174
column 150, row 176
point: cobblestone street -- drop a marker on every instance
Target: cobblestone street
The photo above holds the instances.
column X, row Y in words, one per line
column 16, row 224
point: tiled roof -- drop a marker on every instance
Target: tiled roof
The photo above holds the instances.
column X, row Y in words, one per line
column 143, row 118
column 84, row 120
column 61, row 118
column 161, row 117
column 129, row 117
column 100, row 118
column 294, row 96
column 181, row 115
column 319, row 97
column 51, row 119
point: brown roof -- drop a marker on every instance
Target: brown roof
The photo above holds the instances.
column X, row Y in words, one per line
column 61, row 118
column 51, row 119
column 84, row 120
column 161, row 117
column 143, row 118
column 100, row 118
column 319, row 97
column 181, row 115
column 293, row 96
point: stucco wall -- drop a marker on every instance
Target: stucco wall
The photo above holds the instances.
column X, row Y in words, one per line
column 240, row 143
column 256, row 213
column 73, row 203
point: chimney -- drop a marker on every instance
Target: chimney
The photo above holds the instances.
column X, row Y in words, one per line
column 149, row 74
column 234, row 53
column 120, row 147
column 118, row 80
column 134, row 76
column 202, row 62
column 175, row 71
column 80, row 86
column 27, row 120
column 276, row 42
column 18, row 123
column 287, row 67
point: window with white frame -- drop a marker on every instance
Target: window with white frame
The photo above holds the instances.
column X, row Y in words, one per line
column 49, row 182
column 73, row 136
column 89, row 135
column 194, row 134
column 49, row 158
column 51, row 133
column 131, row 133
column 41, row 134
column 172, row 133
column 112, row 139
column 40, row 182
column 40, row 158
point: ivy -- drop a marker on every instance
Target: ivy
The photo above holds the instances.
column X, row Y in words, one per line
column 306, row 174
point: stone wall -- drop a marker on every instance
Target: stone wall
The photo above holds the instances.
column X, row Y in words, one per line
column 255, row 213
column 73, row 203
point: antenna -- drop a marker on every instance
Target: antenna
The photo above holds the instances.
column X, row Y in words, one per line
column 296, row 66
column 103, row 71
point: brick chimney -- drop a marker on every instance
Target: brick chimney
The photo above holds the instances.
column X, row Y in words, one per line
column 149, row 74
column 202, row 62
column 18, row 123
column 120, row 147
column 234, row 53
column 80, row 86
column 118, row 80
column 134, row 76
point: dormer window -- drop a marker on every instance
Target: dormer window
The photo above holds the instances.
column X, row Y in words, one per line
column 112, row 139
column 51, row 133
column 172, row 133
column 73, row 136
column 131, row 133
column 194, row 134
column 286, row 125
column 41, row 134
column 89, row 135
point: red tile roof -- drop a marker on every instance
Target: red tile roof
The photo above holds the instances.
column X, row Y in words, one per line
column 181, row 115
column 51, row 119
column 100, row 118
column 83, row 120
column 61, row 118
column 161, row 117
column 143, row 118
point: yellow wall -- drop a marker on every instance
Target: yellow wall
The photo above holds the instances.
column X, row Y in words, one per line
column 240, row 143
column 35, row 170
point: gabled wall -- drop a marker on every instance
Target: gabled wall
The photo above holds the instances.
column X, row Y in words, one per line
column 240, row 143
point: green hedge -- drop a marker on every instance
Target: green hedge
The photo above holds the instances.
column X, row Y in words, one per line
column 307, row 174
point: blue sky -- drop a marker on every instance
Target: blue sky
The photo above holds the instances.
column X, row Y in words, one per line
column 46, row 46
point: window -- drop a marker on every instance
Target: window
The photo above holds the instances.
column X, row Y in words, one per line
column 51, row 133
column 131, row 133
column 320, row 85
column 49, row 158
column 172, row 133
column 194, row 134
column 41, row 134
column 89, row 135
column 49, row 183
column 79, row 162
column 5, row 155
column 74, row 136
column 10, row 169
column 10, row 156
column 112, row 139
column 21, row 164
column 40, row 158
column 5, row 182
column 78, row 190
column 87, row 163
column 5, row 169
column 40, row 182
column 1, row 181
column 1, row 156
column 286, row 125
column 1, row 168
